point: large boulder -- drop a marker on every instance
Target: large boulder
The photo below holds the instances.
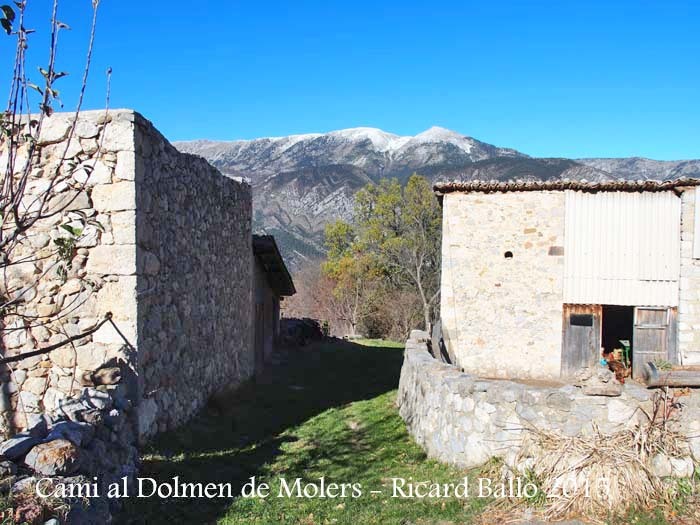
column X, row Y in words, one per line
column 54, row 458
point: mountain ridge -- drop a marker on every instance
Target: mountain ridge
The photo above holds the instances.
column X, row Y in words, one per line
column 301, row 182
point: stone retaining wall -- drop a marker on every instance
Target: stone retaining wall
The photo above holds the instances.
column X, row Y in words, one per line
column 464, row 420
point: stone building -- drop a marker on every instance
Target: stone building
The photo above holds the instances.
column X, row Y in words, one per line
column 167, row 251
column 539, row 277
column 272, row 284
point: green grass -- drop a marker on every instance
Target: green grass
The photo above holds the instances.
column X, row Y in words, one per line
column 379, row 343
column 330, row 413
column 362, row 443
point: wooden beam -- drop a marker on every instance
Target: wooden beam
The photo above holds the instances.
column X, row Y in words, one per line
column 676, row 378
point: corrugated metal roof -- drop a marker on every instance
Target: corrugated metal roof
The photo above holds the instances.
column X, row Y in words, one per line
column 622, row 248
column 492, row 186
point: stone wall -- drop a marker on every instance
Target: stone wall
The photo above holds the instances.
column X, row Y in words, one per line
column 168, row 252
column 689, row 304
column 195, row 276
column 465, row 420
column 99, row 276
column 502, row 317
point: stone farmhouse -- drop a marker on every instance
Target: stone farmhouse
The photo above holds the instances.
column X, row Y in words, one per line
column 539, row 277
column 162, row 305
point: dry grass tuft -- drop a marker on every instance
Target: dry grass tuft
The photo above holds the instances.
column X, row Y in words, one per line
column 598, row 476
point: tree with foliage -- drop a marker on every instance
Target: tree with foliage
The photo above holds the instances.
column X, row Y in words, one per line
column 400, row 227
column 352, row 272
column 396, row 236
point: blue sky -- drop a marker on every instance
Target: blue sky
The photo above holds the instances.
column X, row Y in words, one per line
column 553, row 78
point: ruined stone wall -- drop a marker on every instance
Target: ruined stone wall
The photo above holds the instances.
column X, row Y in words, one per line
column 465, row 420
column 167, row 251
column 195, row 280
column 502, row 317
column 689, row 304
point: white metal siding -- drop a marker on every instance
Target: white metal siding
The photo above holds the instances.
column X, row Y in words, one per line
column 622, row 248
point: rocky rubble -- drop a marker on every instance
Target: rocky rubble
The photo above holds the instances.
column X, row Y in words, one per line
column 87, row 438
column 598, row 382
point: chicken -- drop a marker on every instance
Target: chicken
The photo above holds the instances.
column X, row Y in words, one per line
column 618, row 367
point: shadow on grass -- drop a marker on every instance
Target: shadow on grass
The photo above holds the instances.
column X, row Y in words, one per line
column 233, row 446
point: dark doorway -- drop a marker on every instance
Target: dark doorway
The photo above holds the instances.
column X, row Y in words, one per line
column 618, row 325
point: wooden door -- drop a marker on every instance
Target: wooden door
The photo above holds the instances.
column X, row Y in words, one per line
column 581, row 338
column 654, row 337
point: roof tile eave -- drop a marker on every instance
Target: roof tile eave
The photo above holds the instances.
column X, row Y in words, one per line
column 492, row 186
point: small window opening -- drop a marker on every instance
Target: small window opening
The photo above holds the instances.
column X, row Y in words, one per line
column 581, row 320
column 508, row 255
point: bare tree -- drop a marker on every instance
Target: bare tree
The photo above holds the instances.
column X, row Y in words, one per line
column 41, row 190
column 343, row 301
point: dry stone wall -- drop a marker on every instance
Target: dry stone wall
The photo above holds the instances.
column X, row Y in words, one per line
column 167, row 250
column 465, row 420
column 81, row 289
column 194, row 268
column 164, row 245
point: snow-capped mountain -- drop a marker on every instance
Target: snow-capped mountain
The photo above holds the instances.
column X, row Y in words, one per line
column 302, row 182
column 370, row 149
